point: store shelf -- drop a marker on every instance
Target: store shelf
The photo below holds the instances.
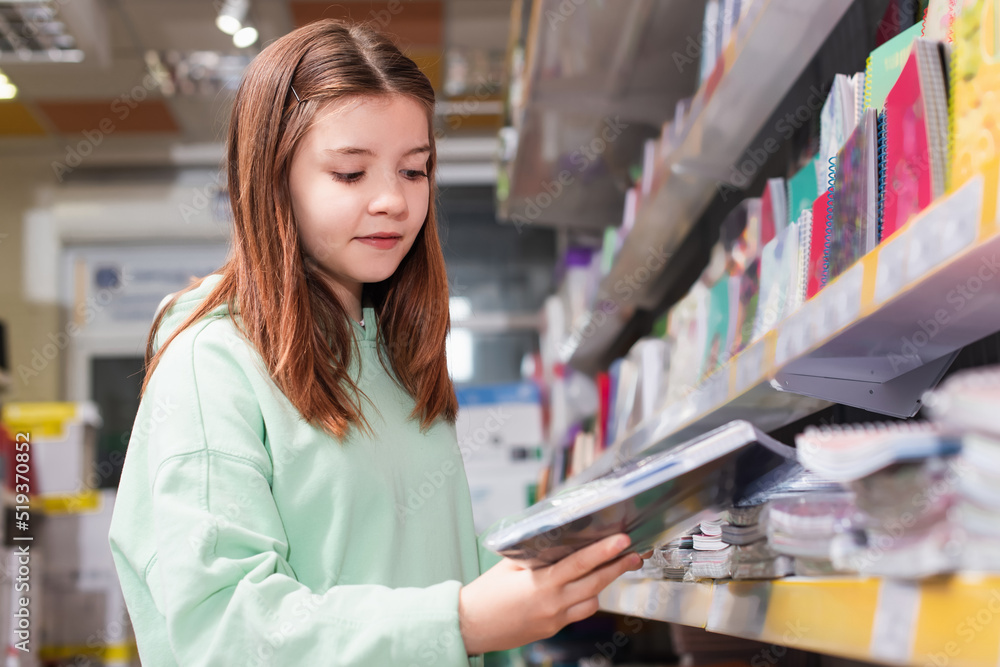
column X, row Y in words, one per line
column 945, row 621
column 759, row 66
column 600, row 78
column 877, row 337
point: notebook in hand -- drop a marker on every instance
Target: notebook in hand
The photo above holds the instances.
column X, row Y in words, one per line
column 654, row 499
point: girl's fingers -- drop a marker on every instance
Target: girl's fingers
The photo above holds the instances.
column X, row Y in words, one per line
column 599, row 579
column 581, row 563
column 582, row 610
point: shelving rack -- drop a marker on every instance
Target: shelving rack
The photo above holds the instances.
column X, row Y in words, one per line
column 876, row 337
column 598, row 80
column 953, row 621
column 772, row 46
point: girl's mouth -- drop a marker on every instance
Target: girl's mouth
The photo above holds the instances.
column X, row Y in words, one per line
column 381, row 241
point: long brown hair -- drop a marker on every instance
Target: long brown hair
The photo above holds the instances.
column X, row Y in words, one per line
column 284, row 308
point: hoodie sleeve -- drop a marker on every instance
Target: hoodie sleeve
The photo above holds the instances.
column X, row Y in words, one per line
column 487, row 558
column 221, row 577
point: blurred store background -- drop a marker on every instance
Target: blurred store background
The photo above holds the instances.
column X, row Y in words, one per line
column 600, row 162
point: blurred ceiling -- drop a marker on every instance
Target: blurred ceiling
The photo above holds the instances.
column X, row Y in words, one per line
column 155, row 78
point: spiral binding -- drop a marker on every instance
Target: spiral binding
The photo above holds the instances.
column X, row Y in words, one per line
column 828, row 232
column 868, row 428
column 923, row 23
column 952, row 15
column 882, row 169
column 952, row 79
column 819, row 434
column 805, row 243
column 868, row 83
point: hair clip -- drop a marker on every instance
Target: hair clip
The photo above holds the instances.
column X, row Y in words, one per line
column 295, row 93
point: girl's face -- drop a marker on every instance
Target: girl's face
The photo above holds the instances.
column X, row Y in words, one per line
column 359, row 188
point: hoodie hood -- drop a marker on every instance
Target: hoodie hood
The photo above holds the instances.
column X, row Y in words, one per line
column 185, row 305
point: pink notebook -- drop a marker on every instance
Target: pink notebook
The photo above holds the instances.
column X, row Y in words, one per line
column 912, row 180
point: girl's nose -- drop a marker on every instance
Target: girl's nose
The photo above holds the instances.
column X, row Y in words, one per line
column 389, row 198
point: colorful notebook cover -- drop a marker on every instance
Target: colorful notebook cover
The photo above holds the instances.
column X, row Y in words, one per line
column 779, row 203
column 752, row 233
column 717, row 342
column 802, row 190
column 767, row 226
column 884, row 65
column 779, row 274
column 686, row 330
column 855, row 197
column 818, row 249
column 768, row 313
column 975, row 80
column 734, row 311
column 747, row 311
column 837, row 119
column 913, row 172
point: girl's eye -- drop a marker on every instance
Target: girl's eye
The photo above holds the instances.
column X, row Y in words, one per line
column 414, row 174
column 352, row 177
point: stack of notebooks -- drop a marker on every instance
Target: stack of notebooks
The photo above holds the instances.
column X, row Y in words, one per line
column 806, row 526
column 736, row 544
column 966, row 404
column 926, row 492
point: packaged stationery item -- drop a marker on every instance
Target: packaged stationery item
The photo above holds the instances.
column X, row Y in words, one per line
column 653, row 499
column 709, row 536
column 782, row 566
column 804, row 525
column 741, row 535
column 910, row 555
column 713, row 564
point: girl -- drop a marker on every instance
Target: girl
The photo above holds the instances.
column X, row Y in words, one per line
column 295, row 401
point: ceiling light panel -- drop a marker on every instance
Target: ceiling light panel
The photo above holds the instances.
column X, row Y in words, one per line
column 32, row 31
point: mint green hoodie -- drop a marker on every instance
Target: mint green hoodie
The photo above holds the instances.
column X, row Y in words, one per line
column 244, row 536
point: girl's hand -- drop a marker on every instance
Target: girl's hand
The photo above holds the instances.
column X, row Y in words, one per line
column 510, row 605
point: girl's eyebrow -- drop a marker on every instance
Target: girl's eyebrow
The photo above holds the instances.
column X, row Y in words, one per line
column 356, row 150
